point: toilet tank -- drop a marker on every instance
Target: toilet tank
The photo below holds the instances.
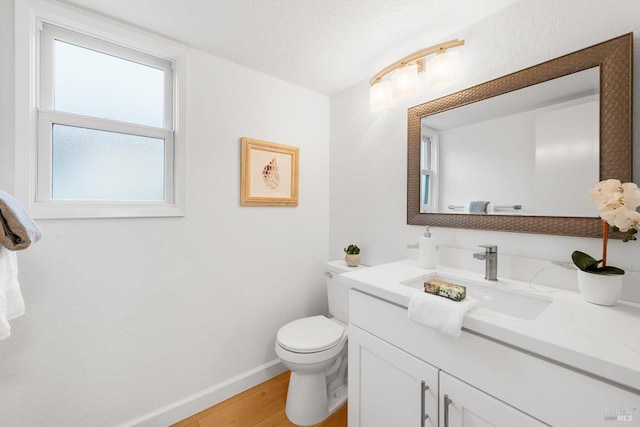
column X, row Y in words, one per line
column 338, row 293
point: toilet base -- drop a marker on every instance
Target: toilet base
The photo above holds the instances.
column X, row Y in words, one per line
column 308, row 402
column 337, row 399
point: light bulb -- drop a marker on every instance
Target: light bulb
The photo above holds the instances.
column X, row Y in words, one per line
column 404, row 81
column 380, row 95
column 442, row 70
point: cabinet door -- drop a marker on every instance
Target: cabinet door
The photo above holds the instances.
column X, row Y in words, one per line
column 388, row 387
column 464, row 405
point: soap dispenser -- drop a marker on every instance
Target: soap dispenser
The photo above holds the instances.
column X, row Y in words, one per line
column 427, row 250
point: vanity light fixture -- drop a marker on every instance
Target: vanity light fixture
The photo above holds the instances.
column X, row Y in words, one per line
column 441, row 71
column 404, row 81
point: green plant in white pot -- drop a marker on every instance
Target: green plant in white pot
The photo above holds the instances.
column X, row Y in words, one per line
column 352, row 257
column 617, row 204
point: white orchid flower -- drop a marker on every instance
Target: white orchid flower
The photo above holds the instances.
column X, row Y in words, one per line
column 626, row 219
column 630, row 195
column 601, row 193
column 615, row 200
column 608, row 215
column 612, row 194
column 617, row 204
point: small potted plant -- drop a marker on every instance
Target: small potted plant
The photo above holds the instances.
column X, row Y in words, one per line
column 598, row 282
column 352, row 257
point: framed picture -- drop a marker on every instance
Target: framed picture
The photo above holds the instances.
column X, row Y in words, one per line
column 269, row 174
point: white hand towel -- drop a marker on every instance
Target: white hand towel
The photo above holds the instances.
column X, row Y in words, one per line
column 11, row 302
column 439, row 313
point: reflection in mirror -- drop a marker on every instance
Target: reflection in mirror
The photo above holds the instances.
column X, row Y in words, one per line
column 434, row 183
column 533, row 151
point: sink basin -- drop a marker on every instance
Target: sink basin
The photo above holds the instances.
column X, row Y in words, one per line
column 518, row 305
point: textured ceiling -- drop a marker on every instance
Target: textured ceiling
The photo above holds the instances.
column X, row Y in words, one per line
column 323, row 45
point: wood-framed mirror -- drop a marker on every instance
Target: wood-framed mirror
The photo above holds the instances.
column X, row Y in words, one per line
column 614, row 59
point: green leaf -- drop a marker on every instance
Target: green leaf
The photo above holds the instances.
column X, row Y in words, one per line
column 591, row 265
column 583, row 261
column 608, row 270
column 352, row 250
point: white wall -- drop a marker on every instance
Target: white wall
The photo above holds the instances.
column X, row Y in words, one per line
column 470, row 170
column 543, row 147
column 567, row 151
column 368, row 150
column 6, row 90
column 125, row 316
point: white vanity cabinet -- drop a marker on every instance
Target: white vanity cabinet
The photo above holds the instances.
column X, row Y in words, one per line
column 462, row 405
column 393, row 388
column 398, row 389
column 489, row 382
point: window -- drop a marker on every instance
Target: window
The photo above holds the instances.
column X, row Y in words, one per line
column 105, row 140
column 429, row 171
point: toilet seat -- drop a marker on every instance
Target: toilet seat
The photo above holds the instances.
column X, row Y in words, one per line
column 310, row 335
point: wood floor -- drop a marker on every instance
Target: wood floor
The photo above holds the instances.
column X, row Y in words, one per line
column 260, row 406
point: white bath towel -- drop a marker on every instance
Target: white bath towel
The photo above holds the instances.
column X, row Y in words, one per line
column 11, row 302
column 439, row 313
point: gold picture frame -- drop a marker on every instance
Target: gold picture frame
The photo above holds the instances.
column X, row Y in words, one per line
column 269, row 175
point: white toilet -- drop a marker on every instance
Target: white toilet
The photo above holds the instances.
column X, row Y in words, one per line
column 315, row 350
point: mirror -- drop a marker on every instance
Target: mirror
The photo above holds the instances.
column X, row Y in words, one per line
column 548, row 134
column 539, row 195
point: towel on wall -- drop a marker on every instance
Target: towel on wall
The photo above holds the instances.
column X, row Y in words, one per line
column 11, row 302
column 19, row 231
column 478, row 206
column 440, row 313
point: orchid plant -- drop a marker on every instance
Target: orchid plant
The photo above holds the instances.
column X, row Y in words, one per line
column 617, row 205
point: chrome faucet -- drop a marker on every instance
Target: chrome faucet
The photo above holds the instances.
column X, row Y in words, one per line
column 490, row 256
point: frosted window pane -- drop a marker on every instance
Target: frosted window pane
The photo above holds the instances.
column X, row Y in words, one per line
column 90, row 164
column 100, row 85
column 425, row 189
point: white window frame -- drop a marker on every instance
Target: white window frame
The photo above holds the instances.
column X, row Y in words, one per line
column 38, row 24
column 429, row 148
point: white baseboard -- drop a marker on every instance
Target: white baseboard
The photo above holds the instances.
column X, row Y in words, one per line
column 208, row 397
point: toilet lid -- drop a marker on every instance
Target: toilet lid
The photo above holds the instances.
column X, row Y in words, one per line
column 310, row 334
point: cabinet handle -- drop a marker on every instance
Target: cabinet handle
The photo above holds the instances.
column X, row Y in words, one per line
column 423, row 414
column 328, row 274
column 447, row 402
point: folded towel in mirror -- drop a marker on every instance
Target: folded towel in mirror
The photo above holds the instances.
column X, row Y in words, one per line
column 478, row 206
column 19, row 231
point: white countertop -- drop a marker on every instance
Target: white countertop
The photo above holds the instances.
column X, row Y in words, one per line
column 604, row 341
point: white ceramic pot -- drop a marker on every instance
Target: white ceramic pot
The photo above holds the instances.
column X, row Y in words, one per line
column 601, row 289
column 352, row 260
